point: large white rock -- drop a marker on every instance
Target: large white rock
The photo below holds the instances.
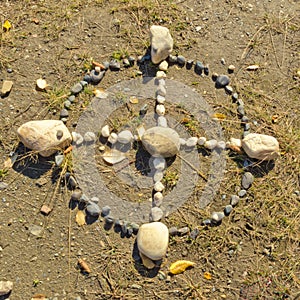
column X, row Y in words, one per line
column 261, row 146
column 161, row 141
column 153, row 240
column 161, row 43
column 45, row 136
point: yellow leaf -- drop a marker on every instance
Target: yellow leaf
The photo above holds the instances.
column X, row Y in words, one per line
column 207, row 275
column 180, row 266
column 6, row 25
column 80, row 218
column 219, row 116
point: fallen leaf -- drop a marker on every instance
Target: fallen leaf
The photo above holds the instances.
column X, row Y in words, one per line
column 219, row 116
column 39, row 297
column 97, row 64
column 207, row 275
column 180, row 266
column 80, row 218
column 6, row 25
column 134, row 100
column 9, row 162
column 84, row 266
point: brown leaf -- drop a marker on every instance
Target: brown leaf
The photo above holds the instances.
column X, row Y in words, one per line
column 80, row 218
column 180, row 266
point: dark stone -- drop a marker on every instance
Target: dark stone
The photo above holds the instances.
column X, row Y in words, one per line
column 189, row 64
column 181, row 60
column 228, row 209
column 235, row 97
column 199, row 67
column 222, row 81
column 105, row 211
column 194, row 233
column 114, row 65
column 93, row 209
column 206, row 70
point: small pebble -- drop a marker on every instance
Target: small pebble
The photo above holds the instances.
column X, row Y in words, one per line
column 84, row 198
column 240, row 102
column 189, row 64
column 228, row 89
column 72, row 182
column 173, row 231
column 156, row 214
column 211, row 144
column 160, row 99
column 76, row 89
column 105, row 211
column 158, row 176
column 93, row 209
column 199, row 67
column 114, row 65
column 182, row 142
column 234, row 200
column 231, row 69
column 183, row 231
column 158, row 199
column 76, row 195
column 161, row 90
column 206, row 70
column 72, row 98
column 242, row 193
column 206, row 222
column 163, row 66
column 106, row 65
column 109, row 220
column 9, row 70
column 79, row 139
column 235, row 97
column 96, row 75
column 67, row 104
column 221, row 145
column 125, row 137
column 241, row 110
column 247, row 127
column 84, row 83
column 64, row 113
column 214, row 76
column 244, row 119
column 135, row 228
column 223, row 61
column 160, row 74
column 245, row 133
column 217, row 217
column 247, row 180
column 158, row 186
column 222, row 81
column 162, row 121
column 126, row 62
column 59, row 160
column 87, row 78
column 194, row 233
column 95, row 199
column 144, row 109
column 181, row 60
column 89, row 137
column 59, row 134
column 172, row 59
column 191, row 142
column 160, row 109
column 105, row 131
column 159, row 163
column 3, row 185
column 131, row 60
column 113, row 138
column 201, row 141
column 228, row 209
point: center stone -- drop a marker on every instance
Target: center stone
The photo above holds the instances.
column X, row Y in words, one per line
column 161, row 141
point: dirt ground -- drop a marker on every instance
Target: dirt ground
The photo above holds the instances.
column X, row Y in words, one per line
column 255, row 253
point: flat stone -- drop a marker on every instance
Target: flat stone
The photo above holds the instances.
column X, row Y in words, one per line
column 161, row 43
column 242, row 193
column 113, row 156
column 160, row 141
column 153, row 240
column 5, row 287
column 105, row 211
column 6, row 87
column 125, row 137
column 222, row 81
column 41, row 136
column 217, row 217
column 247, row 180
column 260, row 146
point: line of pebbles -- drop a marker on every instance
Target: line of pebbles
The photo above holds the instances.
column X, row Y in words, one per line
column 95, row 76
